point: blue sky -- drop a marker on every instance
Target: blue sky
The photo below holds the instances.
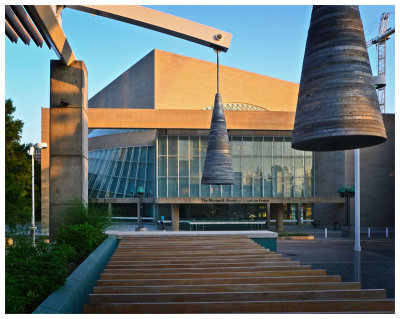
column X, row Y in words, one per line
column 268, row 40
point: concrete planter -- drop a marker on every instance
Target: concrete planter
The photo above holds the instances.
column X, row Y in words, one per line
column 71, row 297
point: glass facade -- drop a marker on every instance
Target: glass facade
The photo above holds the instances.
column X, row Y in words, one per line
column 263, row 167
column 118, row 172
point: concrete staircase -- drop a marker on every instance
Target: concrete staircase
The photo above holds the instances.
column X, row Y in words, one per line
column 221, row 274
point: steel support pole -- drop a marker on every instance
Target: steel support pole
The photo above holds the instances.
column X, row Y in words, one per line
column 357, row 246
column 33, row 227
column 109, row 211
column 141, row 211
column 268, row 222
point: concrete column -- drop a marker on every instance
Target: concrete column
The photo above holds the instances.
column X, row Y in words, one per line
column 279, row 217
column 175, row 217
column 268, row 223
column 298, row 213
column 45, row 171
column 109, row 211
column 68, row 139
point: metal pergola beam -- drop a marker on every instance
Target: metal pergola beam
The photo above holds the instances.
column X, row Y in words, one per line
column 48, row 25
column 162, row 22
column 28, row 24
column 10, row 33
column 16, row 25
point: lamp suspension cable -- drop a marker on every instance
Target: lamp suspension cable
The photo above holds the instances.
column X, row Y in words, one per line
column 217, row 71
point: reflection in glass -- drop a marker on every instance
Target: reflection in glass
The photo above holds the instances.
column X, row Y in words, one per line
column 162, row 145
column 257, row 146
column 162, row 187
column 247, row 143
column 205, row 190
column 194, row 187
column 194, row 146
column 172, row 145
column 162, row 166
column 215, row 191
column 263, row 166
column 172, row 187
column 183, row 187
column 172, row 166
column 236, row 146
column 121, row 187
column 267, row 147
column 194, row 166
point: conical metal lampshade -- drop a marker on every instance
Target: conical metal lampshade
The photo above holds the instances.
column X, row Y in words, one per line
column 337, row 107
column 218, row 168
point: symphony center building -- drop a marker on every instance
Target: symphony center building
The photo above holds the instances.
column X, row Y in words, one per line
column 149, row 127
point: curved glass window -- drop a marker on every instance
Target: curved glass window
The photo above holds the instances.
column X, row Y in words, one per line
column 116, row 173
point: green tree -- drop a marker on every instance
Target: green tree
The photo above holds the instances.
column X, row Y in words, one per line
column 17, row 171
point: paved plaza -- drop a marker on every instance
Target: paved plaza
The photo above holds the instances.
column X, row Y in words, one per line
column 336, row 255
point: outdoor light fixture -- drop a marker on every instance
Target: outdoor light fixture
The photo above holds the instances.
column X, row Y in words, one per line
column 32, row 153
column 140, row 191
column 337, row 106
column 218, row 168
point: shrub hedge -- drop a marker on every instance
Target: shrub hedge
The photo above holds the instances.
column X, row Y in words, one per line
column 83, row 238
column 33, row 273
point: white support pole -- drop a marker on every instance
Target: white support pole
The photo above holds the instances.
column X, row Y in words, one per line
column 357, row 246
column 369, row 232
column 326, row 233
column 33, row 227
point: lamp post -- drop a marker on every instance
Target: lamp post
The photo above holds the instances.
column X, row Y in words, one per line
column 140, row 190
column 32, row 153
column 357, row 245
column 347, row 193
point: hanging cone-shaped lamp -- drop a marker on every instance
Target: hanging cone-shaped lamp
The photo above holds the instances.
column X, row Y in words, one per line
column 337, row 107
column 218, row 168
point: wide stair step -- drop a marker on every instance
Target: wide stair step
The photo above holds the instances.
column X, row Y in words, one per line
column 221, row 274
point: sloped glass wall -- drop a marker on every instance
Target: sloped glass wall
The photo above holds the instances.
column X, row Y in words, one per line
column 118, row 172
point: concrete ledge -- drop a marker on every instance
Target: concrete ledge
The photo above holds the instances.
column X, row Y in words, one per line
column 70, row 297
column 248, row 233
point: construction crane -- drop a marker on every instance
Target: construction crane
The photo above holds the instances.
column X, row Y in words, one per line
column 384, row 34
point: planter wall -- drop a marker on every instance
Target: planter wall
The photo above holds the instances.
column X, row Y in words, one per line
column 71, row 297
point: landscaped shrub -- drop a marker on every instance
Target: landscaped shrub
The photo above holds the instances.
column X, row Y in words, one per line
column 84, row 238
column 81, row 213
column 293, row 234
column 32, row 273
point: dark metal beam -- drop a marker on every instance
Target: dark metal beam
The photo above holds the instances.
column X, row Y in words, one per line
column 10, row 33
column 41, row 32
column 28, row 24
column 16, row 25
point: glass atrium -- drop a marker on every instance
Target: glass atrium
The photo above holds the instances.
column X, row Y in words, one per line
column 263, row 167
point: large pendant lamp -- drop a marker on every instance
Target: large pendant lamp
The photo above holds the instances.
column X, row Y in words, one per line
column 218, row 168
column 337, row 107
